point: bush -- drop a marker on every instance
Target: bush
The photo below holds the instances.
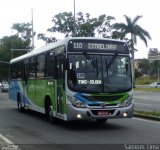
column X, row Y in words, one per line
column 146, row 80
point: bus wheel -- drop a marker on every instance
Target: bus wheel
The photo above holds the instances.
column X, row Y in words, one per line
column 49, row 113
column 101, row 121
column 19, row 104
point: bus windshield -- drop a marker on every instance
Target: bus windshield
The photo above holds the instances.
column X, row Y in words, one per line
column 97, row 73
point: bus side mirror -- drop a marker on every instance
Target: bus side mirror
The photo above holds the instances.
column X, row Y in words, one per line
column 66, row 64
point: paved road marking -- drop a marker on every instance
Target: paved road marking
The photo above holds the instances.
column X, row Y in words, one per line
column 5, row 139
column 8, row 144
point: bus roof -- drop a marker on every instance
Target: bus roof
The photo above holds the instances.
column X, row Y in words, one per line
column 54, row 45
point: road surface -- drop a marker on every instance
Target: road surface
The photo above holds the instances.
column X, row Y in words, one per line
column 31, row 130
column 147, row 101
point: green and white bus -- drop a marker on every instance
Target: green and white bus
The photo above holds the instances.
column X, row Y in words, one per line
column 75, row 79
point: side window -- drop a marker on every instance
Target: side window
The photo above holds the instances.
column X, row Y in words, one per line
column 50, row 64
column 40, row 65
column 13, row 71
column 59, row 62
column 26, row 68
column 32, row 67
column 19, row 69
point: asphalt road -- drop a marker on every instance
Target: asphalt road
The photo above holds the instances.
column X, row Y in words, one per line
column 147, row 101
column 32, row 131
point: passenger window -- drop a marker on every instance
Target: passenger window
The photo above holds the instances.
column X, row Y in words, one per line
column 32, row 67
column 13, row 69
column 50, row 64
column 40, row 65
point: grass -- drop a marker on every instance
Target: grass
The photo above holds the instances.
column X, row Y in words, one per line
column 146, row 80
column 154, row 113
column 147, row 89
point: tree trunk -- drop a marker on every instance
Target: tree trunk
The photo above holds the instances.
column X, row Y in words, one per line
column 133, row 66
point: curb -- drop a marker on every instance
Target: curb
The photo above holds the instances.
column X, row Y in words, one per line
column 146, row 117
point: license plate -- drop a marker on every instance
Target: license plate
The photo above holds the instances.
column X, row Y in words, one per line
column 103, row 113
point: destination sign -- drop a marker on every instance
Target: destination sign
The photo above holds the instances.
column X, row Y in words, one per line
column 97, row 45
column 77, row 45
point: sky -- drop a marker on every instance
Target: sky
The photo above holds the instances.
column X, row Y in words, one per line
column 19, row 11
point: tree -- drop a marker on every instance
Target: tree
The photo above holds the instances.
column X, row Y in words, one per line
column 24, row 31
column 144, row 66
column 131, row 27
column 11, row 42
column 83, row 26
column 43, row 37
column 138, row 74
column 105, row 28
column 21, row 40
column 154, row 67
column 6, row 44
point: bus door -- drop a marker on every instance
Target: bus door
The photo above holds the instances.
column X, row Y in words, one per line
column 60, row 85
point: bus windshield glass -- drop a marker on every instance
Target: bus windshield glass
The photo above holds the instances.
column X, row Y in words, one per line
column 97, row 73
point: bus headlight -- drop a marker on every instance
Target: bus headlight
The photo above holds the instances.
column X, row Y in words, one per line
column 75, row 102
column 127, row 102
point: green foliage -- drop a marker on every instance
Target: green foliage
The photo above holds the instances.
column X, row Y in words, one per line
column 83, row 26
column 131, row 27
column 24, row 31
column 137, row 74
column 144, row 66
column 18, row 41
column 42, row 36
column 147, row 68
column 147, row 89
column 145, row 80
column 153, row 113
column 63, row 23
column 11, row 42
column 154, row 67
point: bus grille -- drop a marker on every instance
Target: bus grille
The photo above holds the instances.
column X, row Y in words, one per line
column 103, row 98
column 100, row 104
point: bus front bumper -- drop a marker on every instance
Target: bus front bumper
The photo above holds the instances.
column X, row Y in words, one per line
column 75, row 113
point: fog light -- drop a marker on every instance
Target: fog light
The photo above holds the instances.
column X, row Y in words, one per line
column 125, row 114
column 79, row 116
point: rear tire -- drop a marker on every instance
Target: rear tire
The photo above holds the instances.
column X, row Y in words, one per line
column 19, row 104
